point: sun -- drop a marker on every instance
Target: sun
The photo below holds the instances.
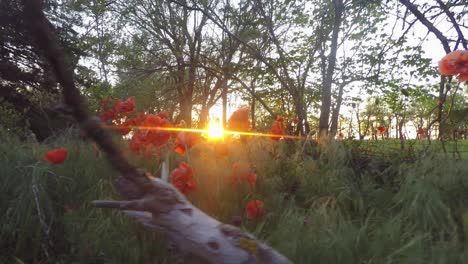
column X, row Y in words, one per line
column 214, row 130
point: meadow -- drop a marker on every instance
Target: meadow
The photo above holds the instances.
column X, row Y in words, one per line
column 324, row 202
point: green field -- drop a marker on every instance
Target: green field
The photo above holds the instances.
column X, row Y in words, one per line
column 336, row 202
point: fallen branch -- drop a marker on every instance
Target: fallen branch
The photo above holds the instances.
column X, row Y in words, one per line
column 152, row 201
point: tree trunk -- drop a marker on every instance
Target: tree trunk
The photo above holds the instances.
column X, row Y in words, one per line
column 224, row 98
column 303, row 127
column 203, row 120
column 252, row 107
column 336, row 111
column 328, row 79
column 186, row 108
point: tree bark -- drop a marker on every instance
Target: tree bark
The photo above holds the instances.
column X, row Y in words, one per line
column 336, row 111
column 328, row 79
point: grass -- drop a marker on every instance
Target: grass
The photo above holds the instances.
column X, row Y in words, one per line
column 336, row 202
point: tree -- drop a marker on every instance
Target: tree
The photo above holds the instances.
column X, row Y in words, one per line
column 26, row 82
column 452, row 13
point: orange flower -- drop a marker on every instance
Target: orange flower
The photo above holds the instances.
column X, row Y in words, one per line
column 456, row 62
column 182, row 178
column 56, row 156
column 184, row 141
column 239, row 120
column 278, row 129
column 254, row 209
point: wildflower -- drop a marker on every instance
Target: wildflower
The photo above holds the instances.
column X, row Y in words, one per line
column 152, row 135
column 421, row 131
column 136, row 144
column 182, row 178
column 340, row 136
column 254, row 209
column 456, row 62
column 184, row 141
column 278, row 128
column 381, row 129
column 56, row 156
column 108, row 115
column 239, row 120
column 126, row 106
column 242, row 172
column 125, row 128
column 252, row 179
column 163, row 115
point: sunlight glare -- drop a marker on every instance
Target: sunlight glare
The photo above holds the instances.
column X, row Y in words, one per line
column 215, row 130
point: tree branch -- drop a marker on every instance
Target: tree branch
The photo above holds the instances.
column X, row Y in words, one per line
column 414, row 9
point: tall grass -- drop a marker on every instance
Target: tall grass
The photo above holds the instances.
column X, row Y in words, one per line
column 331, row 202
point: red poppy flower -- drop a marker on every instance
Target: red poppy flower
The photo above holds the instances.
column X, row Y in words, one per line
column 126, row 106
column 151, row 152
column 381, row 129
column 184, row 141
column 124, row 129
column 56, row 156
column 135, row 145
column 254, row 209
column 163, row 115
column 153, row 135
column 252, row 179
column 242, row 172
column 421, row 131
column 278, row 129
column 182, row 178
column 239, row 120
column 456, row 62
column 108, row 115
column 340, row 136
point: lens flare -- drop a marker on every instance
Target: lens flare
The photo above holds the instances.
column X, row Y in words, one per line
column 206, row 131
column 214, row 130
